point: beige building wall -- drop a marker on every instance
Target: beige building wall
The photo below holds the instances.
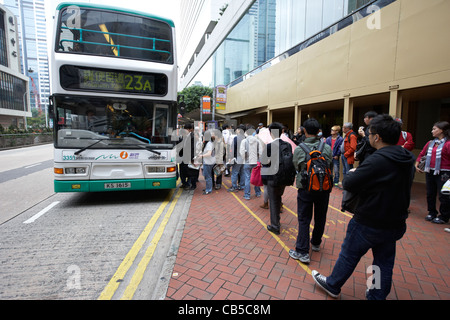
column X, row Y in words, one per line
column 405, row 45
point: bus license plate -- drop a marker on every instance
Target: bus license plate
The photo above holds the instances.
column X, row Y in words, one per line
column 119, row 185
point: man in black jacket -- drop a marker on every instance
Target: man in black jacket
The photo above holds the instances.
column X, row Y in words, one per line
column 383, row 184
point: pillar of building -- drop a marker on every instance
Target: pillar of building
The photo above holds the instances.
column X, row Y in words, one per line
column 348, row 109
column 269, row 116
column 395, row 102
column 297, row 117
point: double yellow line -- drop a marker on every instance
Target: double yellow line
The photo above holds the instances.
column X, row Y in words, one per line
column 126, row 264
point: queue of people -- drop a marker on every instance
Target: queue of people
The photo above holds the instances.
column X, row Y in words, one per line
column 381, row 183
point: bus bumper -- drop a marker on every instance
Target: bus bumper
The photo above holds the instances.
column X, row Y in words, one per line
column 114, row 185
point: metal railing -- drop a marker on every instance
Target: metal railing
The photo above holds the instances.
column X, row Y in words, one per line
column 339, row 25
column 117, row 47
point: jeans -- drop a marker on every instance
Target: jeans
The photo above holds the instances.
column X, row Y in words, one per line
column 237, row 171
column 207, row 173
column 306, row 203
column 247, row 174
column 358, row 241
column 336, row 165
column 345, row 166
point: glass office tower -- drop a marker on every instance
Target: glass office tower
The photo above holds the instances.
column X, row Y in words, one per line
column 269, row 28
column 33, row 46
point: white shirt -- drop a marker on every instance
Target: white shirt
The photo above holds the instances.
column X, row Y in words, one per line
column 209, row 160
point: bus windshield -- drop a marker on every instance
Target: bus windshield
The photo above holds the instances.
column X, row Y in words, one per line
column 114, row 34
column 99, row 123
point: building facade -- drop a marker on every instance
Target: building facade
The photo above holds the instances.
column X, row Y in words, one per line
column 14, row 100
column 335, row 60
column 32, row 31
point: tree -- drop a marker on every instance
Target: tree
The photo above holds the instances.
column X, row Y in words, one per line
column 192, row 96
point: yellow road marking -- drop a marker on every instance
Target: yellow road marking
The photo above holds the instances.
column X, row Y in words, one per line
column 345, row 214
column 295, row 214
column 139, row 273
column 113, row 284
column 286, row 248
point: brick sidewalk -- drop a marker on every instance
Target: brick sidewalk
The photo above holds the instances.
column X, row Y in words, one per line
column 226, row 252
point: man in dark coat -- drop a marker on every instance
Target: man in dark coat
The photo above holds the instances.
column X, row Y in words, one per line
column 383, row 184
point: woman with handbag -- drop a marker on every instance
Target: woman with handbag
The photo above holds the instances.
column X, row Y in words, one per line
column 437, row 169
column 209, row 160
column 251, row 150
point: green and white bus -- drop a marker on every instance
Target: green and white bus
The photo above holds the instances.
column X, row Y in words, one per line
column 114, row 99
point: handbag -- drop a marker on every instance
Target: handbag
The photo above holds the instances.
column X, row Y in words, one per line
column 255, row 178
column 422, row 163
column 350, row 201
column 194, row 166
column 219, row 169
column 361, row 149
column 446, row 188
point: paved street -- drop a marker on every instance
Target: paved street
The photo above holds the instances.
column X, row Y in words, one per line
column 181, row 245
column 227, row 253
column 82, row 246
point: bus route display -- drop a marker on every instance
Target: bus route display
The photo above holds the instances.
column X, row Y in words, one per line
column 106, row 80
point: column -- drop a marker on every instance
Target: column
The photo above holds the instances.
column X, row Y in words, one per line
column 269, row 116
column 297, row 117
column 395, row 102
column 348, row 109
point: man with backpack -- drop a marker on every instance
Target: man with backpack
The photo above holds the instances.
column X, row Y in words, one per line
column 312, row 160
column 277, row 172
column 383, row 185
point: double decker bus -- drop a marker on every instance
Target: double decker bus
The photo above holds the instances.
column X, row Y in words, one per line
column 114, row 99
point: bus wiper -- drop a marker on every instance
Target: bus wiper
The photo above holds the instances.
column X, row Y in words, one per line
column 88, row 147
column 155, row 152
column 148, row 148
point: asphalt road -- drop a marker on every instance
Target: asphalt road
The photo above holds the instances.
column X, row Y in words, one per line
column 118, row 245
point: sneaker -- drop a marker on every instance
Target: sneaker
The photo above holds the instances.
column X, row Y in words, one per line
column 438, row 221
column 233, row 190
column 430, row 217
column 447, row 229
column 246, row 198
column 315, row 248
column 302, row 257
column 322, row 282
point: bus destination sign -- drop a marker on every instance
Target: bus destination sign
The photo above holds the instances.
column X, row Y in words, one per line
column 105, row 80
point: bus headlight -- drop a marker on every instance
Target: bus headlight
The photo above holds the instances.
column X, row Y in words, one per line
column 156, row 169
column 80, row 170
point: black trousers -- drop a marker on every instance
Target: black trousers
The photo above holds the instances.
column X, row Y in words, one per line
column 434, row 186
column 307, row 203
column 275, row 194
column 184, row 174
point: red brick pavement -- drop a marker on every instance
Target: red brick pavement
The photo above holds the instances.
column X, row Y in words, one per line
column 226, row 252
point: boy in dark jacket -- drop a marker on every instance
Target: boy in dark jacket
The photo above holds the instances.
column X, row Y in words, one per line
column 383, row 184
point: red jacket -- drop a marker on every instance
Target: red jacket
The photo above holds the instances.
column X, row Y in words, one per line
column 350, row 146
column 445, row 156
column 407, row 143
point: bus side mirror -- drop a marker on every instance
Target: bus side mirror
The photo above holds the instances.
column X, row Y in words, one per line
column 51, row 112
